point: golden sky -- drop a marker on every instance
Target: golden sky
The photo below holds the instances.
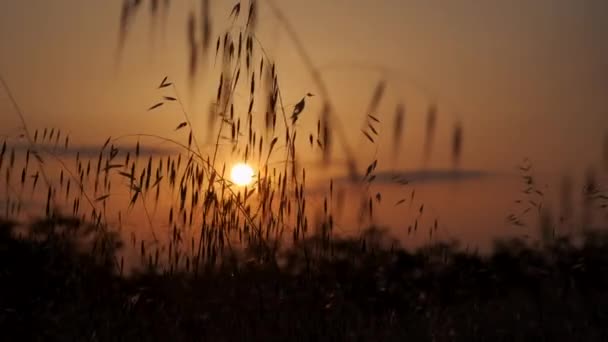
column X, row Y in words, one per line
column 526, row 78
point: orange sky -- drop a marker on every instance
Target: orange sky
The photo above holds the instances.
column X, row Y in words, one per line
column 527, row 78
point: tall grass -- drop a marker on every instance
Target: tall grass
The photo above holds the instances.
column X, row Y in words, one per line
column 206, row 213
column 272, row 262
column 191, row 216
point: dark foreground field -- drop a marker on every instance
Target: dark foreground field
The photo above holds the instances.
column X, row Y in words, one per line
column 352, row 291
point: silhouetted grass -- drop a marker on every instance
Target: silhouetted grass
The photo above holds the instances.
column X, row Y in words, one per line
column 53, row 290
column 223, row 262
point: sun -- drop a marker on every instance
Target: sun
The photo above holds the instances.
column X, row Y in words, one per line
column 241, row 174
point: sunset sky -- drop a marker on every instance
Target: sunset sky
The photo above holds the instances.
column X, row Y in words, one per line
column 330, row 169
column 526, row 78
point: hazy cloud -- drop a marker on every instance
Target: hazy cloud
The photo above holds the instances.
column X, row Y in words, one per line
column 422, row 176
column 92, row 150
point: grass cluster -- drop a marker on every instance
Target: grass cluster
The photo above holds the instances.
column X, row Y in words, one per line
column 223, row 262
column 55, row 291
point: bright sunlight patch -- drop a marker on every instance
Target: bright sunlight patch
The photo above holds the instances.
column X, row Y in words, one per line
column 241, row 174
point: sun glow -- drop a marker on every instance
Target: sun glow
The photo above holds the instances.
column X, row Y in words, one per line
column 241, row 174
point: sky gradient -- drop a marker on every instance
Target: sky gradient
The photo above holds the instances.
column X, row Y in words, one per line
column 526, row 78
